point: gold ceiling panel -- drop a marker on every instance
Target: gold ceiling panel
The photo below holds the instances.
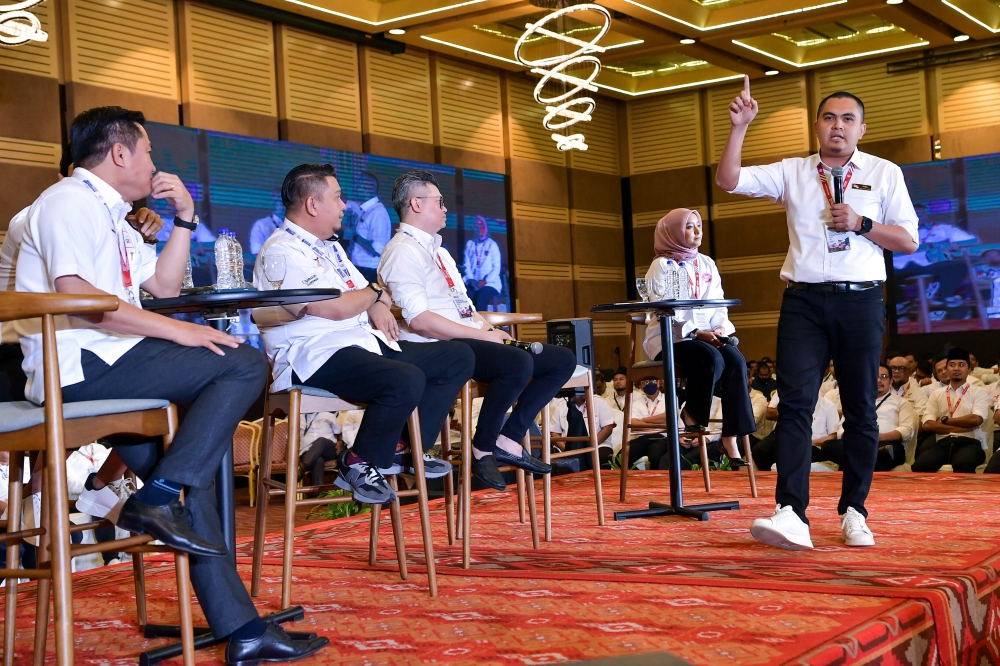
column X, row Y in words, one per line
column 983, row 13
column 707, row 15
column 381, row 14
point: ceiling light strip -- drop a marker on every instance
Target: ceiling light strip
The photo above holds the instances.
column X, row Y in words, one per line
column 669, row 88
column 731, row 23
column 827, row 60
column 470, row 50
column 396, row 19
column 970, row 17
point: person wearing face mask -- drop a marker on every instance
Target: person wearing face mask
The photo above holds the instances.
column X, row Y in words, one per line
column 711, row 367
column 482, row 266
column 648, row 409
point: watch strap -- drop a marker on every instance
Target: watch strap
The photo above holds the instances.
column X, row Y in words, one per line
column 184, row 224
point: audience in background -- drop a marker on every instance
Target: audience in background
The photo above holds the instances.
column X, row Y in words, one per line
column 905, row 385
column 318, row 443
column 829, row 381
column 825, row 422
column 619, row 385
column 569, row 418
column 763, row 381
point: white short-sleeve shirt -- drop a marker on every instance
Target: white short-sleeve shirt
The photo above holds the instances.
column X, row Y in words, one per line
column 966, row 399
column 876, row 190
column 603, row 415
column 74, row 228
column 8, row 261
column 302, row 343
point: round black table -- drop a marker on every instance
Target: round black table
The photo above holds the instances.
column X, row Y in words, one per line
column 217, row 307
column 664, row 311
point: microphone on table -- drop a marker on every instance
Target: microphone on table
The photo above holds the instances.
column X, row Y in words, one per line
column 730, row 340
column 838, row 184
column 533, row 347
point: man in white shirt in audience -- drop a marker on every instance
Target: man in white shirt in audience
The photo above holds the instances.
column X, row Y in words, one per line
column 320, row 434
column 955, row 415
column 572, row 422
column 940, row 379
column 897, row 421
column 76, row 241
column 425, row 283
column 905, row 385
column 619, row 385
column 348, row 345
column 825, row 422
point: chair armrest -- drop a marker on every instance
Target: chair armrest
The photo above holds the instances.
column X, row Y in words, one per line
column 638, row 318
column 508, row 318
column 24, row 305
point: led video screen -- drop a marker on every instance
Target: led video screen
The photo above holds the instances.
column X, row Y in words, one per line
column 236, row 185
column 952, row 282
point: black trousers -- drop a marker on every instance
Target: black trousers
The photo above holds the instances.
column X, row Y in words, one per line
column 508, row 370
column 964, row 454
column 12, row 377
column 721, row 372
column 890, row 454
column 315, row 459
column 655, row 448
column 813, row 328
column 427, row 375
column 218, row 390
column 481, row 296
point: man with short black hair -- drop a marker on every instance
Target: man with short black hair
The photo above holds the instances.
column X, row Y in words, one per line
column 619, row 385
column 833, row 306
column 955, row 415
column 76, row 241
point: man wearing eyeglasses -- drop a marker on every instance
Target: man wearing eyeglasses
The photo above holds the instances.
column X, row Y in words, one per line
column 896, row 422
column 905, row 385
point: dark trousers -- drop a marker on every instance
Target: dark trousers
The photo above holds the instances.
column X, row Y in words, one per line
column 813, row 328
column 12, row 377
column 721, row 372
column 655, row 448
column 890, row 454
column 765, row 452
column 427, row 375
column 219, row 390
column 964, row 453
column 508, row 370
column 481, row 296
column 315, row 459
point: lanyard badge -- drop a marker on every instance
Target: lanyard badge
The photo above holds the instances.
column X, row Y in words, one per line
column 836, row 241
column 339, row 266
column 126, row 248
column 460, row 299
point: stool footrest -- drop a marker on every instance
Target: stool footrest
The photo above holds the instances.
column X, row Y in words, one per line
column 23, row 534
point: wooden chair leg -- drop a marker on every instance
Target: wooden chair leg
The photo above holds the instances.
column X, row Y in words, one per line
column 623, row 472
column 466, row 477
column 449, row 483
column 595, row 456
column 416, row 448
column 44, row 589
column 627, row 428
column 703, row 449
column 397, row 531
column 519, row 475
column 532, row 509
column 15, row 498
column 748, row 456
column 263, row 500
column 373, row 531
column 547, row 479
column 139, row 579
column 183, row 572
column 291, row 495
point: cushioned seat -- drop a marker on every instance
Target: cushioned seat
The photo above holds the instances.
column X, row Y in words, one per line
column 648, row 365
column 23, row 414
column 580, row 371
column 312, row 390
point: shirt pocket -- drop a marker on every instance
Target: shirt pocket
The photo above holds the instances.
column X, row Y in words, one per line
column 865, row 203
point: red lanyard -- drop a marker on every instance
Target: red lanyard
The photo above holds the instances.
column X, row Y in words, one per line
column 906, row 389
column 125, row 250
column 696, row 283
column 826, row 185
column 947, row 393
column 444, row 272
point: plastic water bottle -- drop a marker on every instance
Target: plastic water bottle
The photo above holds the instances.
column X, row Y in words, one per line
column 683, row 285
column 237, row 259
column 188, row 278
column 670, row 280
column 224, row 261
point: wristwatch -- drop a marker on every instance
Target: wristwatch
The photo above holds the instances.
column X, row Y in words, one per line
column 378, row 292
column 866, row 226
column 944, row 419
column 184, row 224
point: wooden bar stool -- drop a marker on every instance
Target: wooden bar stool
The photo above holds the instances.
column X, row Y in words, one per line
column 637, row 370
column 52, row 431
column 294, row 402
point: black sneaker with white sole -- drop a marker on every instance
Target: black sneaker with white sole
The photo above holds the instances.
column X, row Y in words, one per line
column 364, row 481
column 434, row 468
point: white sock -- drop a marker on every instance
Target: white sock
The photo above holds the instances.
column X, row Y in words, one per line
column 509, row 445
column 479, row 455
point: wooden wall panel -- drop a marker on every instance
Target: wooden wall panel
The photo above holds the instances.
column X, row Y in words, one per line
column 601, row 136
column 968, row 95
column 665, row 133
column 782, row 126
column 319, row 79
column 528, row 140
column 38, row 58
column 29, row 106
column 469, row 109
column 397, row 89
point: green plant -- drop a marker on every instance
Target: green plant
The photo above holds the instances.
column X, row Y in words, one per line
column 615, row 462
column 722, row 466
column 338, row 510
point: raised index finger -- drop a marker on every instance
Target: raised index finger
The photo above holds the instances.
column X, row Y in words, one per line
column 746, row 83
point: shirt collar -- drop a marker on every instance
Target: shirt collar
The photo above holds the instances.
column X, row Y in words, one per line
column 952, row 389
column 858, row 160
column 429, row 242
column 110, row 194
column 366, row 206
column 303, row 233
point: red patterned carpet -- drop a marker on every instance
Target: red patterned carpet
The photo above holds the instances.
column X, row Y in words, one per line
column 925, row 594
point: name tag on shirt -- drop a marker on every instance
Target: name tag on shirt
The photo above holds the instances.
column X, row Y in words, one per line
column 838, row 241
column 859, row 186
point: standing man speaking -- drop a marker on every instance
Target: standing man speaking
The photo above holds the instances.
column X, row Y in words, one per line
column 844, row 208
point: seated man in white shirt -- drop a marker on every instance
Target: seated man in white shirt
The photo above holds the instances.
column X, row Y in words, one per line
column 825, row 422
column 619, row 385
column 320, row 434
column 425, row 283
column 896, row 423
column 347, row 345
column 648, row 410
column 955, row 415
column 905, row 385
column 572, row 422
column 76, row 241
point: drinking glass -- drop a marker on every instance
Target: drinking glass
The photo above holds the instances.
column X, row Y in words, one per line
column 274, row 269
column 657, row 288
column 642, row 286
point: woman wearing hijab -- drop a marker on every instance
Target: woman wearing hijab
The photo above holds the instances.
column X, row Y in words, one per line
column 711, row 367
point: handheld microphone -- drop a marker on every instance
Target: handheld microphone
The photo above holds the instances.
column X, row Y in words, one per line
column 838, row 184
column 730, row 340
column 533, row 347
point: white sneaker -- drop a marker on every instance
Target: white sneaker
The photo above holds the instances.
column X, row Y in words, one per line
column 855, row 530
column 784, row 529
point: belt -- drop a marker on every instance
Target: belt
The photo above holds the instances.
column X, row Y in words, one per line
column 834, row 286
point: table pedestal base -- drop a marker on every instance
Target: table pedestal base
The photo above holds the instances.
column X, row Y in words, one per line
column 697, row 511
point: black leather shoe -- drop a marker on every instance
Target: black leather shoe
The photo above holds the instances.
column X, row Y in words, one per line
column 274, row 645
column 695, row 428
column 170, row 523
column 738, row 463
column 525, row 461
column 485, row 469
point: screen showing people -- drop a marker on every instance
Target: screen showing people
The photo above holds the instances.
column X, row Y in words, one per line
column 952, row 282
column 236, row 181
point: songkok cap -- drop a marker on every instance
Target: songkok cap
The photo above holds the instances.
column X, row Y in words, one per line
column 956, row 354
